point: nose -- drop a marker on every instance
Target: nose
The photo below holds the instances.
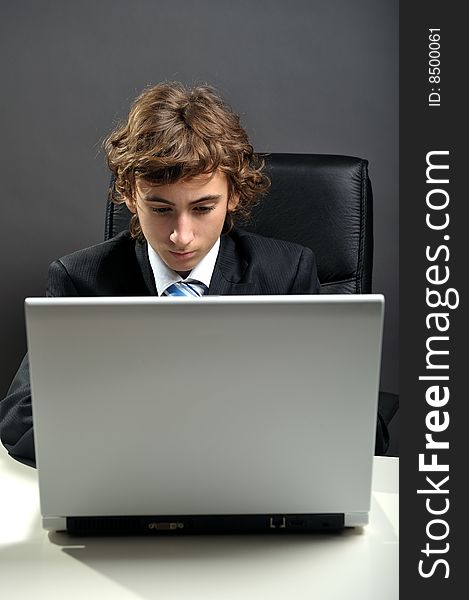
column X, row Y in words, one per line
column 182, row 234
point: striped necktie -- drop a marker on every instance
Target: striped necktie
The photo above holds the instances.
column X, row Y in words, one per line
column 182, row 288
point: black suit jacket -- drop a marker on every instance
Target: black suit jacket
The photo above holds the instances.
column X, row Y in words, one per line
column 247, row 264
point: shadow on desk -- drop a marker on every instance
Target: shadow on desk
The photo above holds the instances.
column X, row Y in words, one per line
column 248, row 566
column 228, row 544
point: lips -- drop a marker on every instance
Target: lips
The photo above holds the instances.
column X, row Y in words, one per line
column 182, row 255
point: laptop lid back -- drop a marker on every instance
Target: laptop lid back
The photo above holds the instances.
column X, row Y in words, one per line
column 205, row 406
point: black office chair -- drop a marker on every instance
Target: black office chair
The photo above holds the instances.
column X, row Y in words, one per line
column 321, row 201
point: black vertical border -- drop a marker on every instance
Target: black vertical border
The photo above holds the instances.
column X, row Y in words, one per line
column 425, row 128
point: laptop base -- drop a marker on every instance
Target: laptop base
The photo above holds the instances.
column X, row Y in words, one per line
column 201, row 524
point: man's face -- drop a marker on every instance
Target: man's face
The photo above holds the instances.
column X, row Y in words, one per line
column 182, row 221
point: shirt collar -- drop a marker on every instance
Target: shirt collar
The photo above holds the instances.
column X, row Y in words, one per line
column 164, row 276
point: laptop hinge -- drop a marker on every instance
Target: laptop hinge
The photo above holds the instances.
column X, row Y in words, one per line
column 356, row 519
column 54, row 523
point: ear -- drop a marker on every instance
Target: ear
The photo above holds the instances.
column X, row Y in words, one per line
column 130, row 202
column 233, row 202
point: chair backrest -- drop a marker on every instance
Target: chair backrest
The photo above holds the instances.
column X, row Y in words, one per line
column 317, row 200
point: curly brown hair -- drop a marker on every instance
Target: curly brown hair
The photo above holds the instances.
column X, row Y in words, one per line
column 174, row 133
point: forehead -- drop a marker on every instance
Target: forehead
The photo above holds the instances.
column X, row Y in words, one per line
column 208, row 183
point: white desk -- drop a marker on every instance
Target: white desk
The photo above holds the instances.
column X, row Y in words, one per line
column 35, row 564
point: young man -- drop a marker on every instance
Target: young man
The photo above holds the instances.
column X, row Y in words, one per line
column 184, row 166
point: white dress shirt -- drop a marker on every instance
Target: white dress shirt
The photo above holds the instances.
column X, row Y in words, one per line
column 164, row 276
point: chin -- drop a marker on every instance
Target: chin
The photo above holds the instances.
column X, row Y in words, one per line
column 180, row 267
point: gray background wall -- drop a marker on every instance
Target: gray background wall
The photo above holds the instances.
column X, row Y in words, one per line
column 316, row 76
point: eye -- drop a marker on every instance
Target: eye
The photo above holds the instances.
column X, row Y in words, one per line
column 160, row 210
column 203, row 209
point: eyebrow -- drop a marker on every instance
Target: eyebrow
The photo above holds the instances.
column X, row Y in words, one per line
column 209, row 197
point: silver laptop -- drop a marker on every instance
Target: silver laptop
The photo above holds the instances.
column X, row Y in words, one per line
column 199, row 415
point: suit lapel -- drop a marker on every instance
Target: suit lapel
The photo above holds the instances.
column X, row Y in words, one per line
column 230, row 275
column 143, row 262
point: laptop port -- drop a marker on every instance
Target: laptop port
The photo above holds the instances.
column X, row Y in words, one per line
column 296, row 522
column 165, row 526
column 278, row 522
